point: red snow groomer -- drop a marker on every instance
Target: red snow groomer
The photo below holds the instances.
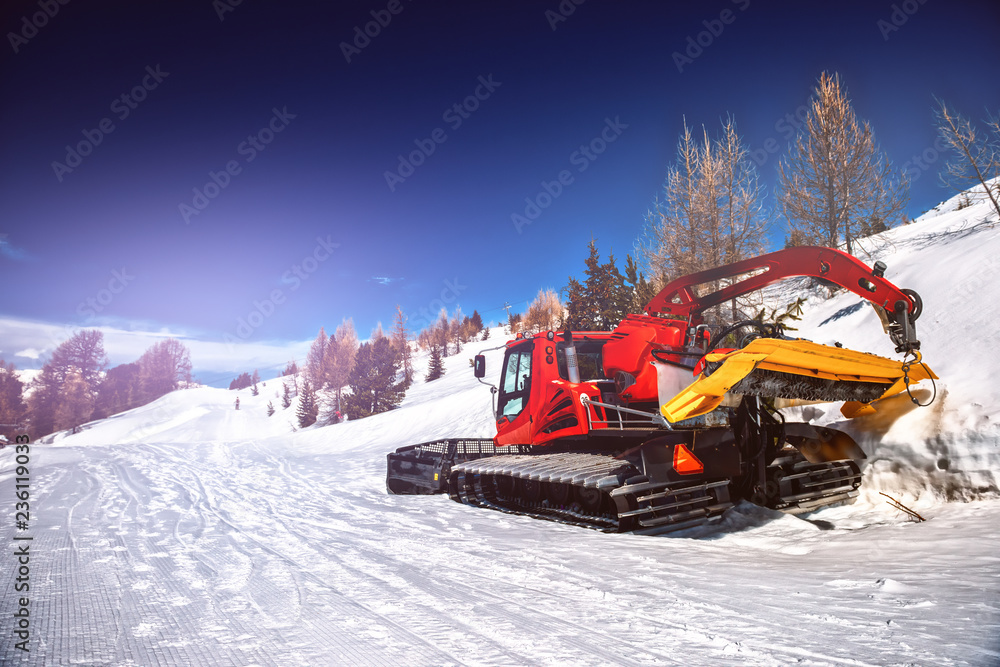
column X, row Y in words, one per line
column 655, row 427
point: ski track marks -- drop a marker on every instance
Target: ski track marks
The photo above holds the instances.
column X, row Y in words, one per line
column 233, row 553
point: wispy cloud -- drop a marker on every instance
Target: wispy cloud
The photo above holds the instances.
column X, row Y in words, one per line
column 384, row 280
column 11, row 252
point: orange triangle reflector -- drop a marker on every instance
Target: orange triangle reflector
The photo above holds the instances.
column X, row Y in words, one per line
column 685, row 462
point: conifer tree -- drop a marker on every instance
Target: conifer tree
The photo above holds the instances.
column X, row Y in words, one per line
column 374, row 388
column 640, row 291
column 286, row 396
column 270, row 408
column 477, row 321
column 242, row 381
column 436, row 367
column 486, row 333
column 602, row 300
column 308, row 408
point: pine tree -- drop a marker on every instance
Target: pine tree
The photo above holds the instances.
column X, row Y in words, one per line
column 242, row 381
column 291, row 368
column 486, row 333
column 254, row 391
column 436, row 367
column 373, row 381
column 602, row 300
column 286, row 396
column 308, row 408
column 270, row 408
column 640, row 291
column 477, row 321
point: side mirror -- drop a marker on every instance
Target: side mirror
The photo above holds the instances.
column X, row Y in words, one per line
column 479, row 366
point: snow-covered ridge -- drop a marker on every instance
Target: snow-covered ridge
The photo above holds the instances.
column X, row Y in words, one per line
column 187, row 532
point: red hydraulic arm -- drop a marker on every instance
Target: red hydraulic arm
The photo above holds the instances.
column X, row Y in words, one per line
column 678, row 299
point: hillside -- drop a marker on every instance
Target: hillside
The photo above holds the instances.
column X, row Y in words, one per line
column 186, row 532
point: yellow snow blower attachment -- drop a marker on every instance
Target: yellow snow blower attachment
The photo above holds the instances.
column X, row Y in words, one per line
column 796, row 369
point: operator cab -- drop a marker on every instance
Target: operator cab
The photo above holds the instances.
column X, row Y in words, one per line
column 515, row 381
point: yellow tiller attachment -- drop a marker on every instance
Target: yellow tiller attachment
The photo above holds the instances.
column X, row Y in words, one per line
column 796, row 369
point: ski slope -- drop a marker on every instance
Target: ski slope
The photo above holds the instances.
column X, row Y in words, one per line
column 186, row 532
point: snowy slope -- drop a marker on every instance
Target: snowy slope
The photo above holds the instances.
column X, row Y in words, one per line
column 950, row 450
column 186, row 532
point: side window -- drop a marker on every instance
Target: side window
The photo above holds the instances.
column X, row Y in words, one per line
column 516, row 383
column 589, row 359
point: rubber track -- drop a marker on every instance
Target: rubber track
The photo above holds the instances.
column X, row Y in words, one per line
column 472, row 484
column 650, row 507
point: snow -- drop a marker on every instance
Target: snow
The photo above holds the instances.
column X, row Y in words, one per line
column 187, row 532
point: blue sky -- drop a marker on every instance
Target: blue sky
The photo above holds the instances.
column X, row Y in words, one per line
column 242, row 182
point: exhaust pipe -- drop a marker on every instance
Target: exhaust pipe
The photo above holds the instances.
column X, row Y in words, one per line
column 572, row 364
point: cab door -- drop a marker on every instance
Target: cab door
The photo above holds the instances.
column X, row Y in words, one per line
column 514, row 397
